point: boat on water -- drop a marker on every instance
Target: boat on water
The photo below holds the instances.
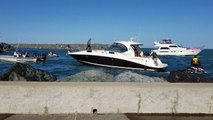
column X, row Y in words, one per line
column 53, row 54
column 121, row 54
column 193, row 69
column 21, row 56
column 166, row 47
column 17, row 59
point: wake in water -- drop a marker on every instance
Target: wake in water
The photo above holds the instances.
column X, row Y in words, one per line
column 101, row 76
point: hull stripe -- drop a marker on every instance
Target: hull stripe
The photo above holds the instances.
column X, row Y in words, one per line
column 114, row 66
column 115, row 63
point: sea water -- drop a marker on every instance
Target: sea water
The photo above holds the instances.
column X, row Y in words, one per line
column 66, row 66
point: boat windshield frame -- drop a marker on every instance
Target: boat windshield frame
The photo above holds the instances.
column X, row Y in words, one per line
column 117, row 47
column 166, row 41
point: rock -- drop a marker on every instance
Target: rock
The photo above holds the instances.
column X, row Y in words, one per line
column 25, row 72
column 4, row 47
column 135, row 77
column 210, row 79
column 89, row 76
column 101, row 76
column 183, row 76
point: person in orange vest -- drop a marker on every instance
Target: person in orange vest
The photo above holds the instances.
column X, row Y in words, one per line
column 195, row 62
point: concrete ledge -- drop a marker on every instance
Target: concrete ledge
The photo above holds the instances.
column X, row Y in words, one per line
column 70, row 97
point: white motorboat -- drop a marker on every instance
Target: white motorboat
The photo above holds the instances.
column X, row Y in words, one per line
column 121, row 54
column 166, row 47
column 17, row 59
column 53, row 54
column 21, row 56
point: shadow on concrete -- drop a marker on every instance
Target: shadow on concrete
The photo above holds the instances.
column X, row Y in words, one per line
column 4, row 116
column 169, row 117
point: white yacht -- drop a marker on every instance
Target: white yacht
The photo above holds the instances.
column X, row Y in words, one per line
column 166, row 47
column 121, row 54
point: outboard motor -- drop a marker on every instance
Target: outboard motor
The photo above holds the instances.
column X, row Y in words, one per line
column 1, row 49
column 43, row 57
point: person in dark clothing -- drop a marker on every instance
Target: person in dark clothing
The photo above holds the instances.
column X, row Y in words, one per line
column 88, row 48
column 155, row 57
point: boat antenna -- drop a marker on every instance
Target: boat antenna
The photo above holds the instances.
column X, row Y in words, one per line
column 18, row 44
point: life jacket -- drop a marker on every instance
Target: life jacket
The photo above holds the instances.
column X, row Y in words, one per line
column 195, row 60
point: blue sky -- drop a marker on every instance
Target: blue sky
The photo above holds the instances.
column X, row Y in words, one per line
column 187, row 22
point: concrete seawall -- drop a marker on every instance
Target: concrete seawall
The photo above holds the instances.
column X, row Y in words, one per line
column 69, row 97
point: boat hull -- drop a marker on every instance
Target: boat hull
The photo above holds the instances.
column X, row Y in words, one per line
column 178, row 52
column 112, row 62
column 17, row 59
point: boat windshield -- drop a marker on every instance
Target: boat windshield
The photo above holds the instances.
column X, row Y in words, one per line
column 166, row 41
column 117, row 47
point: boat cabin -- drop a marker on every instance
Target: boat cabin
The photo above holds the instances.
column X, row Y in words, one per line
column 129, row 48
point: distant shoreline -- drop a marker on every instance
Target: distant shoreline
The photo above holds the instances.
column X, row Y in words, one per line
column 65, row 46
column 60, row 46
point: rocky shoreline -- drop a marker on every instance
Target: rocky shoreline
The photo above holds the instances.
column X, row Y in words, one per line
column 4, row 47
column 25, row 72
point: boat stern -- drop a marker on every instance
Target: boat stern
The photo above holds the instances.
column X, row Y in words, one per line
column 161, row 66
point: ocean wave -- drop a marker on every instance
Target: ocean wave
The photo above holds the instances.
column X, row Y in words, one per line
column 101, row 76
